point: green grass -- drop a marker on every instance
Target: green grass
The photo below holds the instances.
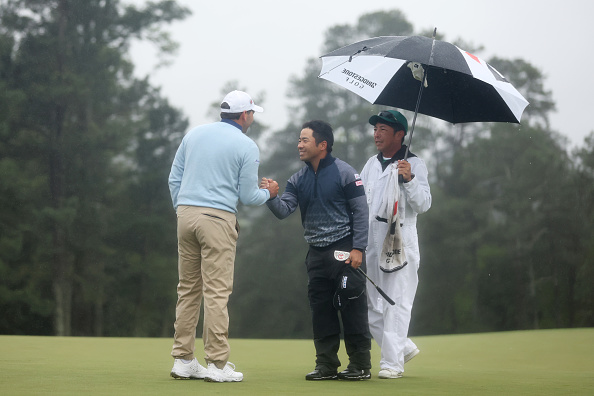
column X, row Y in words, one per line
column 547, row 362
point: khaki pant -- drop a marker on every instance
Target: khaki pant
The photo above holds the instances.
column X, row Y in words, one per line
column 206, row 246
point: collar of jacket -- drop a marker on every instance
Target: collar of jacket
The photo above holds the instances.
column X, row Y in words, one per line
column 396, row 157
column 231, row 122
column 324, row 162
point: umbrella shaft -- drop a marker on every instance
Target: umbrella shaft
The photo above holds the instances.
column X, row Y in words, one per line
column 412, row 129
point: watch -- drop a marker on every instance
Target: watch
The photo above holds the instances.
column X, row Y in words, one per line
column 412, row 176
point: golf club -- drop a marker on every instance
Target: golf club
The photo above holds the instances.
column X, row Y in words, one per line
column 384, row 295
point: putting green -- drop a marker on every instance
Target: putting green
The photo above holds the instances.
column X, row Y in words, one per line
column 546, row 362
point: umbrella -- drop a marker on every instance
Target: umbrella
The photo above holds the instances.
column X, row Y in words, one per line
column 427, row 76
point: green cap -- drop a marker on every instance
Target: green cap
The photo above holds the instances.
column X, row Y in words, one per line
column 390, row 117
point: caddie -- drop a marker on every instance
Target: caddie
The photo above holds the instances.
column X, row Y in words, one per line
column 393, row 249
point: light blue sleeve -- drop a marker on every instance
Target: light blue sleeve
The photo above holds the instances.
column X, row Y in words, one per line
column 249, row 191
column 177, row 172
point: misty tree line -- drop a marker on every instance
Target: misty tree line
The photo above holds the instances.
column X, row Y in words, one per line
column 87, row 231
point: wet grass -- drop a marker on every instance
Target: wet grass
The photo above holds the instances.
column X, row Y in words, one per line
column 547, row 362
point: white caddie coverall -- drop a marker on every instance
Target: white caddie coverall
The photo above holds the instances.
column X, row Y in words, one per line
column 389, row 324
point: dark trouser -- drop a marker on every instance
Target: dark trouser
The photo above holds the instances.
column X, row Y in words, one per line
column 323, row 273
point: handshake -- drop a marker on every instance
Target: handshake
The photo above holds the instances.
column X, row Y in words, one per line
column 269, row 185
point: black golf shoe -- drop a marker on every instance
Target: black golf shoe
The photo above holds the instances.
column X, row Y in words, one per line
column 352, row 374
column 321, row 375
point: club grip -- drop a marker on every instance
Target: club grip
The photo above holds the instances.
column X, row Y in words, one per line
column 384, row 295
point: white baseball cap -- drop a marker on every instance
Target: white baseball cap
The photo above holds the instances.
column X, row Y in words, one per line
column 238, row 102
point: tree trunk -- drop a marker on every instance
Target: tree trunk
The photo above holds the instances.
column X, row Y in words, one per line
column 99, row 312
column 62, row 266
column 532, row 294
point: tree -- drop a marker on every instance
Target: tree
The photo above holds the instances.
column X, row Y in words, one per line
column 140, row 262
column 66, row 61
column 583, row 190
column 516, row 251
column 499, row 213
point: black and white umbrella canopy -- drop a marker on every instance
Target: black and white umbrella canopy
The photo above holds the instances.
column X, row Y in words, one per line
column 460, row 87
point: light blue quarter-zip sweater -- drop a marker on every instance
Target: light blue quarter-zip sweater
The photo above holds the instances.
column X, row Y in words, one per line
column 215, row 166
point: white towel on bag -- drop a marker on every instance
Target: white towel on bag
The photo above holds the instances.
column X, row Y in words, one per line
column 391, row 210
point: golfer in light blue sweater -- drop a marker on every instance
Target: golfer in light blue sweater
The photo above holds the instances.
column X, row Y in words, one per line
column 215, row 166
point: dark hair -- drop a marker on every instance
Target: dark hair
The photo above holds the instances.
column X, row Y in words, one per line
column 399, row 127
column 322, row 131
column 230, row 116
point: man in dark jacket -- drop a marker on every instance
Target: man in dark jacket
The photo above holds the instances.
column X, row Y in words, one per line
column 334, row 214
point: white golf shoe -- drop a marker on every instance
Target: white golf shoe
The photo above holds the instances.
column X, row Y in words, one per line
column 411, row 354
column 226, row 374
column 192, row 370
column 388, row 373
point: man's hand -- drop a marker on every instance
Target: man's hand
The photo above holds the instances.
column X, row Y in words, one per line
column 355, row 259
column 404, row 170
column 269, row 185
